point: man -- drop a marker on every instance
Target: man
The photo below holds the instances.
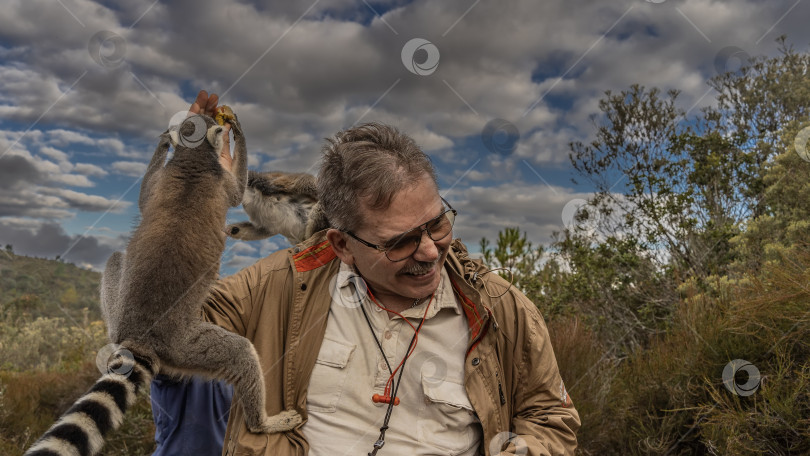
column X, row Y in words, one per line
column 385, row 308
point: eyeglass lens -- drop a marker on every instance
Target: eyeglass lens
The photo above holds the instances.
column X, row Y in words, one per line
column 405, row 245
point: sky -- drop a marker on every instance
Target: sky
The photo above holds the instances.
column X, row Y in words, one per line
column 493, row 91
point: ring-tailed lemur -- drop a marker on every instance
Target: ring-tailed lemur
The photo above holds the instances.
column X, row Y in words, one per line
column 152, row 296
column 280, row 203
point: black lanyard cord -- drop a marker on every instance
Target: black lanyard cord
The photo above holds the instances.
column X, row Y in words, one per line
column 395, row 385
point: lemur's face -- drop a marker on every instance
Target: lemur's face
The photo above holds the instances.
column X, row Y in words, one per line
column 419, row 275
column 198, row 130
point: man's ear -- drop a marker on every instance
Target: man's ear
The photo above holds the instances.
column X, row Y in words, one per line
column 340, row 245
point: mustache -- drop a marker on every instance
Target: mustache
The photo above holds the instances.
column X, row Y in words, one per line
column 421, row 267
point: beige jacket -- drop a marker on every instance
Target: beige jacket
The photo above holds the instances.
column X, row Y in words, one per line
column 512, row 380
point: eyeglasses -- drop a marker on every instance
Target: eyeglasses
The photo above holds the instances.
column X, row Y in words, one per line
column 402, row 246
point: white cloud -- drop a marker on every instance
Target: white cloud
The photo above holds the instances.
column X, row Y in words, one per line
column 242, row 247
column 89, row 170
column 237, row 262
column 127, row 168
column 55, row 154
column 85, row 202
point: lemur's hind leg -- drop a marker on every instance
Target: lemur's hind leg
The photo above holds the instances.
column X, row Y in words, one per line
column 211, row 350
column 247, row 231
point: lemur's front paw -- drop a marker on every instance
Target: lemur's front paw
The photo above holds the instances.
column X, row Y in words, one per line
column 284, row 421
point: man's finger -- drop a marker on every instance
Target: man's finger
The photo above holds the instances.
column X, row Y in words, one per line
column 199, row 103
column 210, row 108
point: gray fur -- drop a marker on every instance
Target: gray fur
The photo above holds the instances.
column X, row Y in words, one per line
column 152, row 296
column 280, row 203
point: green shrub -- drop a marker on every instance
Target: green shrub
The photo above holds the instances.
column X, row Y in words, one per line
column 670, row 398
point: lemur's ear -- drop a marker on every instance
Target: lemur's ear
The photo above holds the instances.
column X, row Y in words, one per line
column 175, row 137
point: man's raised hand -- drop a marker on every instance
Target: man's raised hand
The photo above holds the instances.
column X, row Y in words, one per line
column 207, row 105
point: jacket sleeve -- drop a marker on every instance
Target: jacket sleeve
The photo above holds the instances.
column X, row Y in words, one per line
column 231, row 299
column 544, row 417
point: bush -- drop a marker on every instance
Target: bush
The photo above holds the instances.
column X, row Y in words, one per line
column 671, row 398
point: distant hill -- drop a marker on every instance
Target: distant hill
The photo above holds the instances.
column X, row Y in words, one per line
column 48, row 288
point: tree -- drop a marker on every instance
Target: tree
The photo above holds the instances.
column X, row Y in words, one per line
column 515, row 259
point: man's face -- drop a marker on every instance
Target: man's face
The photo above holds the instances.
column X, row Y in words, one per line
column 419, row 275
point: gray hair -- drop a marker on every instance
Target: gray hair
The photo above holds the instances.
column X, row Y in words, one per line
column 369, row 163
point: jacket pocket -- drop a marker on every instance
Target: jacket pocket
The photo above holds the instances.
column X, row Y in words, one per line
column 447, row 420
column 329, row 375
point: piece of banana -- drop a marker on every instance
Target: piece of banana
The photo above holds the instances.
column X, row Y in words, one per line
column 224, row 114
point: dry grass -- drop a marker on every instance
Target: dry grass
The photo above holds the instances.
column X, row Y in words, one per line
column 669, row 398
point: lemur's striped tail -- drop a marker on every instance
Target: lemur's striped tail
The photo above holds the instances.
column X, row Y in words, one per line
column 81, row 430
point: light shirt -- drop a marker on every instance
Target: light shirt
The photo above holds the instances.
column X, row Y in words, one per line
column 434, row 416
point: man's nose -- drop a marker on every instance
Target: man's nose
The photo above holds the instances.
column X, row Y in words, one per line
column 427, row 250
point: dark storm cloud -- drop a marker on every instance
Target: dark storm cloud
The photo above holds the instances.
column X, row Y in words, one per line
column 49, row 240
column 16, row 171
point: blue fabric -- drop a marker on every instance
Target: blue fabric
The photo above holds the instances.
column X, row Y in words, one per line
column 190, row 416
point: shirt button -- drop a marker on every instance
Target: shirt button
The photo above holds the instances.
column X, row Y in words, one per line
column 476, row 361
column 388, row 334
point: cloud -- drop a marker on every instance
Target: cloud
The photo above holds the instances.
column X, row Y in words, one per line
column 48, row 240
column 30, row 186
column 236, row 262
column 242, row 247
column 89, row 203
column 89, row 170
column 16, row 170
column 537, row 209
column 128, row 168
column 295, row 77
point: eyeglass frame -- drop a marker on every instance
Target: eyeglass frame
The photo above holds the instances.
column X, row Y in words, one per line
column 423, row 229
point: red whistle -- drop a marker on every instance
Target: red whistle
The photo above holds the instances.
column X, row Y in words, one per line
column 380, row 399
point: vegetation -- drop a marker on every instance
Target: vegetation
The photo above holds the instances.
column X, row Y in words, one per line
column 694, row 252
column 50, row 333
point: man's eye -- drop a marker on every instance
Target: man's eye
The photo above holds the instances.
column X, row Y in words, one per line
column 402, row 242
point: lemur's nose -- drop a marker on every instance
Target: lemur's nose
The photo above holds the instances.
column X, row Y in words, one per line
column 218, row 130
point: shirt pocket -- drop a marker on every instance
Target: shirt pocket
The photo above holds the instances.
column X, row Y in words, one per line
column 329, row 375
column 447, row 420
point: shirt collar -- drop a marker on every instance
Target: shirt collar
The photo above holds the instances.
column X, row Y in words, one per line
column 444, row 298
